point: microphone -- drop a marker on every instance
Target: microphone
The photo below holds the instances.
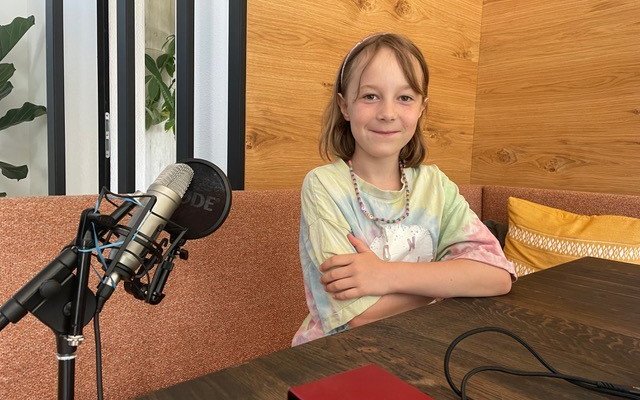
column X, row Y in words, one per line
column 205, row 206
column 162, row 198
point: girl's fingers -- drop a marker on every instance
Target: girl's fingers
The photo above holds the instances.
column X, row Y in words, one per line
column 336, row 261
column 348, row 294
column 359, row 245
column 334, row 275
column 339, row 286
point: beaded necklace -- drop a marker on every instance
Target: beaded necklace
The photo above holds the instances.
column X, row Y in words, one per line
column 366, row 212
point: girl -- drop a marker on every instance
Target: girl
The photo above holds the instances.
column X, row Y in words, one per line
column 380, row 233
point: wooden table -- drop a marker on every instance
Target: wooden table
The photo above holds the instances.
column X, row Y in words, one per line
column 583, row 317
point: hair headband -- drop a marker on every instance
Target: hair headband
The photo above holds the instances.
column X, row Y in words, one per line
column 346, row 59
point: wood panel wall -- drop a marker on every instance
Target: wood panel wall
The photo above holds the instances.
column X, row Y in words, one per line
column 558, row 102
column 294, row 49
column 536, row 94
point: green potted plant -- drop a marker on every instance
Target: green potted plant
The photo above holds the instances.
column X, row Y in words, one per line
column 9, row 36
column 160, row 97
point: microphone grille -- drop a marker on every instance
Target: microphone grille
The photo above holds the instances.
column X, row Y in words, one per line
column 176, row 177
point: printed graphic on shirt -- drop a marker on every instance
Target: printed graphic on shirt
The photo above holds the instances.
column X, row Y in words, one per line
column 403, row 243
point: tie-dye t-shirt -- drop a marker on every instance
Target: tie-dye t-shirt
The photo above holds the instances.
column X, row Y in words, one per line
column 440, row 226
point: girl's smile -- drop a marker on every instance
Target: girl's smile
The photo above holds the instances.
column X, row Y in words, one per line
column 384, row 132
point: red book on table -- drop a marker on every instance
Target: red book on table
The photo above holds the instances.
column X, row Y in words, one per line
column 369, row 382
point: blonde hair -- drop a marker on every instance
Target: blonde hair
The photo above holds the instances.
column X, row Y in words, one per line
column 336, row 139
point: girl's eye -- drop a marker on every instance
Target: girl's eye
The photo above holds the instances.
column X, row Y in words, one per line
column 406, row 98
column 370, row 96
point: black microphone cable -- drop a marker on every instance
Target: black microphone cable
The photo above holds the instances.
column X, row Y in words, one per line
column 98, row 343
column 629, row 392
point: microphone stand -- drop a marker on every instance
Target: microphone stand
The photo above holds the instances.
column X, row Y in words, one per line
column 61, row 299
column 68, row 341
column 85, row 304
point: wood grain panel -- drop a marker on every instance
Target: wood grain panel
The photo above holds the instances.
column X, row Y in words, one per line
column 558, row 102
column 294, row 50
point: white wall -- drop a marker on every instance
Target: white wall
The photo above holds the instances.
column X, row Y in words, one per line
column 37, row 94
column 113, row 94
column 211, row 81
column 21, row 143
column 141, row 140
column 81, row 96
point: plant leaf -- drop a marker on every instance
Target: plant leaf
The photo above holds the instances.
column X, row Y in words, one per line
column 5, row 90
column 6, row 72
column 15, row 116
column 164, row 113
column 154, row 90
column 12, row 33
column 153, row 116
column 170, row 67
column 160, row 98
column 153, row 69
column 147, row 119
column 169, row 125
column 13, row 171
column 151, row 66
column 161, row 61
column 170, row 44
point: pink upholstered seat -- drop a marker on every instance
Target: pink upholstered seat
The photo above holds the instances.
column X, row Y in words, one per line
column 239, row 296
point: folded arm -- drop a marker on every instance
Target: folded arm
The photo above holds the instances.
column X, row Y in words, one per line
column 406, row 285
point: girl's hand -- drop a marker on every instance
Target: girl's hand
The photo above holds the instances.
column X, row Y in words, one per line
column 348, row 276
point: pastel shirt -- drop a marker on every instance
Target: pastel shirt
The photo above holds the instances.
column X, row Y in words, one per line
column 440, row 226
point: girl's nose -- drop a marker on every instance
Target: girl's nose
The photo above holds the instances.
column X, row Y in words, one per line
column 387, row 111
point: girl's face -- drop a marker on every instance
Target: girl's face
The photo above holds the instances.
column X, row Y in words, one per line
column 381, row 106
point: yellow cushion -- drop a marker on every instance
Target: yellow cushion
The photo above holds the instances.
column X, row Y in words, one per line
column 540, row 237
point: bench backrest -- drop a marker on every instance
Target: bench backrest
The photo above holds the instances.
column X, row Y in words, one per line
column 239, row 296
column 494, row 201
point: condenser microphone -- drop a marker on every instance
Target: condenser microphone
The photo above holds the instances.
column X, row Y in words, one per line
column 165, row 195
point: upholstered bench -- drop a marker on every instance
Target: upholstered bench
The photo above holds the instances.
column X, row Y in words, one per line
column 238, row 296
